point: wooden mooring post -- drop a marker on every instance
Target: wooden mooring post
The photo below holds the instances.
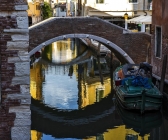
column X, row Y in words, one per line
column 99, row 65
column 111, row 69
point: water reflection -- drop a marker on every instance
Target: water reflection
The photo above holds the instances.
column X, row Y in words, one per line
column 64, row 80
column 70, row 102
column 142, row 124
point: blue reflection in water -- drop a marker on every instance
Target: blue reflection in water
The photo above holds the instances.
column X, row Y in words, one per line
column 48, row 137
column 59, row 89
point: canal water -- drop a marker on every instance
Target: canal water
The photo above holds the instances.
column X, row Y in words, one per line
column 72, row 99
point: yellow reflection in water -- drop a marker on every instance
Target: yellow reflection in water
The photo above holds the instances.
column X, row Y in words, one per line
column 62, row 51
column 35, row 135
column 92, row 91
column 119, row 133
column 36, row 79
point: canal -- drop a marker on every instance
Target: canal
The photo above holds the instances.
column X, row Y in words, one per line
column 72, row 100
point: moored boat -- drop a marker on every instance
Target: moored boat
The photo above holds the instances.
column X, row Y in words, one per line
column 134, row 87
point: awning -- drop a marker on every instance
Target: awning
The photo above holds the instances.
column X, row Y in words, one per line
column 141, row 20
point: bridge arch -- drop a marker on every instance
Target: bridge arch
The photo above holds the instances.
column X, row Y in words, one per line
column 110, row 45
column 133, row 47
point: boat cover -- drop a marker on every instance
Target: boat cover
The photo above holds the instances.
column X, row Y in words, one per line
column 138, row 81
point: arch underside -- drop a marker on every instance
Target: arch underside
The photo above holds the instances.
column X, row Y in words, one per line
column 120, row 53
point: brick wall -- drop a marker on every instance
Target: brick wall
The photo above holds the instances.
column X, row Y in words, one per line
column 160, row 18
column 136, row 45
column 15, row 96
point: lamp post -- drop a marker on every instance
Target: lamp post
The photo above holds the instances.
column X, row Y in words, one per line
column 126, row 18
column 66, row 8
column 41, row 13
column 75, row 7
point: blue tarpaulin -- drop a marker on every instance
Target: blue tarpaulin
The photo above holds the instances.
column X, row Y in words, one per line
column 138, row 81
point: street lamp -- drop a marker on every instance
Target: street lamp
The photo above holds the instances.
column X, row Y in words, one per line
column 75, row 7
column 66, row 8
column 126, row 18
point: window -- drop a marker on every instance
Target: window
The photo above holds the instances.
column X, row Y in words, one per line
column 133, row 1
column 158, row 42
column 37, row 7
column 62, row 9
column 149, row 5
column 99, row 1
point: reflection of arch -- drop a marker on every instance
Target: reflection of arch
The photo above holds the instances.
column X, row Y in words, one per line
column 96, row 118
column 63, row 130
column 62, row 115
column 107, row 43
column 78, row 60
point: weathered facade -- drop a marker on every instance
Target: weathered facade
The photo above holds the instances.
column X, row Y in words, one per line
column 34, row 11
column 159, row 36
column 15, row 97
column 115, row 10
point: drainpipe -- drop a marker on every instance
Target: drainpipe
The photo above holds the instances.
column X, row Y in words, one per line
column 143, row 25
column 66, row 8
column 0, row 79
column 144, row 8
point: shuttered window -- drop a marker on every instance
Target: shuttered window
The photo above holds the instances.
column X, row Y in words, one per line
column 158, row 42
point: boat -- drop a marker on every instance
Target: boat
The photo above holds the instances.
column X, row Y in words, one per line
column 134, row 88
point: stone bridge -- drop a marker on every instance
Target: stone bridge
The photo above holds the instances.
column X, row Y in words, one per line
column 128, row 46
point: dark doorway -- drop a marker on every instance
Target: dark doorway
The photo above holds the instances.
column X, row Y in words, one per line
column 30, row 20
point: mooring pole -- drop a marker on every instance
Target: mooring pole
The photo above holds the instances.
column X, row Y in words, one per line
column 143, row 101
column 99, row 66
column 111, row 69
column 164, row 64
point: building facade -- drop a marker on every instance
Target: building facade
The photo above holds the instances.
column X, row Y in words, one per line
column 114, row 11
column 64, row 8
column 34, row 11
column 60, row 8
column 159, row 37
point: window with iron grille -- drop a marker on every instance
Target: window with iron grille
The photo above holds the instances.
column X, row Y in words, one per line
column 158, row 42
column 133, row 1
